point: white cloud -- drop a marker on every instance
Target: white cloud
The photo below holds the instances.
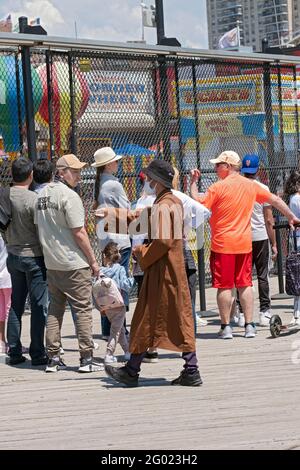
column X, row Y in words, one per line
column 113, row 20
column 44, row 9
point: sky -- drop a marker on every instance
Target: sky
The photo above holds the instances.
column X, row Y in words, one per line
column 113, row 20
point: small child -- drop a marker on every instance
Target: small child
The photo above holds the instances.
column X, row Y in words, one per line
column 5, row 295
column 112, row 269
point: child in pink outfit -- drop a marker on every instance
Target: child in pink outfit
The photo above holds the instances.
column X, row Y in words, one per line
column 5, row 295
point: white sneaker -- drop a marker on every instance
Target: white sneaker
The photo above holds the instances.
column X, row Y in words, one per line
column 3, row 347
column 61, row 351
column 200, row 321
column 295, row 321
column 89, row 365
column 109, row 359
column 241, row 320
column 250, row 331
column 225, row 333
column 127, row 356
column 95, row 345
column 264, row 318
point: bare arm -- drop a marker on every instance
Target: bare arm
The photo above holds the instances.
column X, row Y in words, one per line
column 280, row 205
column 195, row 175
column 269, row 222
column 82, row 240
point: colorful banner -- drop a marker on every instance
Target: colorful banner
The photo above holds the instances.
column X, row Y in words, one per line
column 234, row 95
column 289, row 96
column 220, row 125
column 223, row 94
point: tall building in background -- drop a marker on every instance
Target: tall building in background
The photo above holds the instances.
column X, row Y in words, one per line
column 277, row 20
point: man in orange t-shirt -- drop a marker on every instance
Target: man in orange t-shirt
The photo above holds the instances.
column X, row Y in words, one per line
column 231, row 201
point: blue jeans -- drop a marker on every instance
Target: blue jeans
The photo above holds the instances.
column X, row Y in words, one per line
column 125, row 258
column 28, row 276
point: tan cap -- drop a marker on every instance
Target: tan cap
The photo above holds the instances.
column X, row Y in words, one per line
column 70, row 161
column 104, row 156
column 229, row 157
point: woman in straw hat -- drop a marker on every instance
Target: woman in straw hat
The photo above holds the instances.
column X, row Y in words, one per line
column 109, row 192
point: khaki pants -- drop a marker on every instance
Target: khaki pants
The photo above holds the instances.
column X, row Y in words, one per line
column 116, row 316
column 76, row 287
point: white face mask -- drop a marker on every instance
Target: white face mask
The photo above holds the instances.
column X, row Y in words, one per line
column 148, row 190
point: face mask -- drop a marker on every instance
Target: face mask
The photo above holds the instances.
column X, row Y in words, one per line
column 148, row 190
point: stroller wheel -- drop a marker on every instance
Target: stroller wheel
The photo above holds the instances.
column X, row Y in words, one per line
column 275, row 325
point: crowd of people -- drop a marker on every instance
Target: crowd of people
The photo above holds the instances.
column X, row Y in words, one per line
column 46, row 255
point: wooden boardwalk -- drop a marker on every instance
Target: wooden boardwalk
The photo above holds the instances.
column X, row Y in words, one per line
column 249, row 399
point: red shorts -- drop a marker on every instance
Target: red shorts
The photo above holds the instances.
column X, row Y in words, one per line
column 231, row 270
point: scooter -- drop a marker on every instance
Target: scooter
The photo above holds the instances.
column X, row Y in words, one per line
column 276, row 326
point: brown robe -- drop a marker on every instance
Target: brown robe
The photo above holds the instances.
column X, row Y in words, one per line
column 163, row 315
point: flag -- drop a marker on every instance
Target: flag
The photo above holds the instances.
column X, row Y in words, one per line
column 148, row 16
column 229, row 39
column 35, row 22
column 6, row 25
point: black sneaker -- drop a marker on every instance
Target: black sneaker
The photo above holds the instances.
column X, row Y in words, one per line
column 121, row 375
column 42, row 361
column 89, row 365
column 150, row 357
column 14, row 360
column 188, row 379
column 55, row 364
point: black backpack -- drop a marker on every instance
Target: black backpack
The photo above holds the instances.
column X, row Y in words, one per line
column 5, row 208
column 292, row 270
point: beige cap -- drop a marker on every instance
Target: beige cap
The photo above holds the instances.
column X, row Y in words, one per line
column 70, row 161
column 104, row 156
column 229, row 157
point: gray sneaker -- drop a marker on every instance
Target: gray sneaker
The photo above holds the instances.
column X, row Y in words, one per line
column 250, row 331
column 225, row 333
column 55, row 364
column 89, row 365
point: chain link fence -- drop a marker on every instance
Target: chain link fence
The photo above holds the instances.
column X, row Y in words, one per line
column 186, row 111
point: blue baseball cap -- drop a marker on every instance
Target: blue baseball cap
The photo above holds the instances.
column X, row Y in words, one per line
column 250, row 164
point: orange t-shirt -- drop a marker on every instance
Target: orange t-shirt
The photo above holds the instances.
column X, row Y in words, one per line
column 231, row 202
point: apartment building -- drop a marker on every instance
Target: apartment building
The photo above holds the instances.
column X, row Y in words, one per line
column 276, row 20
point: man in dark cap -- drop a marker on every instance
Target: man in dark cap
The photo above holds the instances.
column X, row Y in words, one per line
column 163, row 315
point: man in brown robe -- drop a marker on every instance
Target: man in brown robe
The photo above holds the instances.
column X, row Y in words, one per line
column 163, row 315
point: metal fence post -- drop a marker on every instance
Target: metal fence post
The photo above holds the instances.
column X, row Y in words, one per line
column 18, row 89
column 28, row 95
column 269, row 126
column 200, row 253
column 72, row 105
column 50, row 96
column 165, row 116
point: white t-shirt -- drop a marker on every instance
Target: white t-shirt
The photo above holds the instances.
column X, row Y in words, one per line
column 258, row 225
column 59, row 209
column 194, row 213
column 5, row 281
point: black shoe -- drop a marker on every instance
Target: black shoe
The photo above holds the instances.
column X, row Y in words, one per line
column 14, row 360
column 188, row 379
column 150, row 357
column 120, row 374
column 42, row 361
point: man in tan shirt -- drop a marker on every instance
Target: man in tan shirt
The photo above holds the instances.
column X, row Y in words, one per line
column 70, row 261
